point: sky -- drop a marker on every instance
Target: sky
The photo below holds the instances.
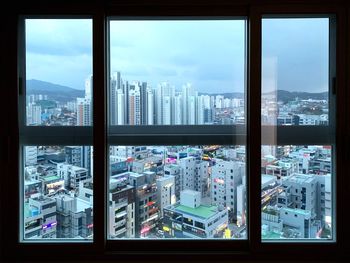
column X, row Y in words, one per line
column 208, row 54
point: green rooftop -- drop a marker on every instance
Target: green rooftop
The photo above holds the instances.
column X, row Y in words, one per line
column 51, row 178
column 270, row 235
column 202, row 211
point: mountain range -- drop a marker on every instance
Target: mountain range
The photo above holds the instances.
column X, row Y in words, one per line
column 63, row 94
column 56, row 92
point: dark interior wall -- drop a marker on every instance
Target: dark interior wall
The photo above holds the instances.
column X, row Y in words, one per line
column 9, row 127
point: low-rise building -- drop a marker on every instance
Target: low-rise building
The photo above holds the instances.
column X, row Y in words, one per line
column 188, row 218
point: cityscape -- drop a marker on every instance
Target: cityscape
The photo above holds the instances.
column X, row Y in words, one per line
column 178, row 192
column 137, row 103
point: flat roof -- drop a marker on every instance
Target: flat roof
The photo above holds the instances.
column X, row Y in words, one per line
column 300, row 178
column 28, row 182
column 82, row 205
column 50, row 178
column 297, row 211
column 270, row 235
column 202, row 211
column 267, row 179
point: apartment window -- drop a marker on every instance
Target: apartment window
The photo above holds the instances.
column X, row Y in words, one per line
column 56, row 174
column 296, row 71
column 133, row 121
column 158, row 91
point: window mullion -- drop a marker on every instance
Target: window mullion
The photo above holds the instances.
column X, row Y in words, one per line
column 254, row 127
column 99, row 129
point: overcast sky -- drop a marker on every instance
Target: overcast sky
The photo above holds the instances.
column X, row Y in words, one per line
column 208, row 54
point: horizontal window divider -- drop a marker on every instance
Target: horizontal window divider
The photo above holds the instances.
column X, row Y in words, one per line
column 298, row 135
column 174, row 139
column 232, row 130
column 46, row 135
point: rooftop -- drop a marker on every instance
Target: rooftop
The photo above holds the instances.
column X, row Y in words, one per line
column 202, row 211
column 271, row 211
column 270, row 235
column 82, row 205
column 51, row 178
column 297, row 211
column 300, row 178
column 267, row 179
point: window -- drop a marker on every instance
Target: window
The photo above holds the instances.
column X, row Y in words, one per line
column 241, row 105
column 56, row 180
column 152, row 88
column 295, row 53
column 58, row 72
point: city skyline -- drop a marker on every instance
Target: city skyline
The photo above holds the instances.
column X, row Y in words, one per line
column 137, row 103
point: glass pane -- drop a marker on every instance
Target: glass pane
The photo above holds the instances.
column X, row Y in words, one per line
column 295, row 71
column 177, row 72
column 57, row 192
column 296, row 192
column 163, row 192
column 58, row 72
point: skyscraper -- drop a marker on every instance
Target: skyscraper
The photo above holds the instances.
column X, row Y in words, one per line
column 177, row 109
column 187, row 92
column 84, row 105
column 150, row 106
column 200, row 109
column 134, row 104
column 88, row 87
column 120, row 108
column 143, row 102
column 33, row 114
column 165, row 93
column 116, row 84
column 84, row 117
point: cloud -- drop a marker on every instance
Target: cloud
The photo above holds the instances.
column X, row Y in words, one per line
column 66, row 37
column 210, row 54
column 165, row 72
column 301, row 48
column 65, row 70
column 183, row 59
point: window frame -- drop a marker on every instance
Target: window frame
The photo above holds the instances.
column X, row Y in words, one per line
column 220, row 249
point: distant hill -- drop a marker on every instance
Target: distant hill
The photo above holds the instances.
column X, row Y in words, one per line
column 282, row 95
column 53, row 91
column 285, row 96
column 63, row 94
column 237, row 95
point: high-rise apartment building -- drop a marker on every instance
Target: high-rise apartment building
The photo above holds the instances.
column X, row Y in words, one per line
column 146, row 202
column 225, row 178
column 79, row 156
column 31, row 155
column 84, row 115
column 122, row 207
column 166, row 192
column 33, row 114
